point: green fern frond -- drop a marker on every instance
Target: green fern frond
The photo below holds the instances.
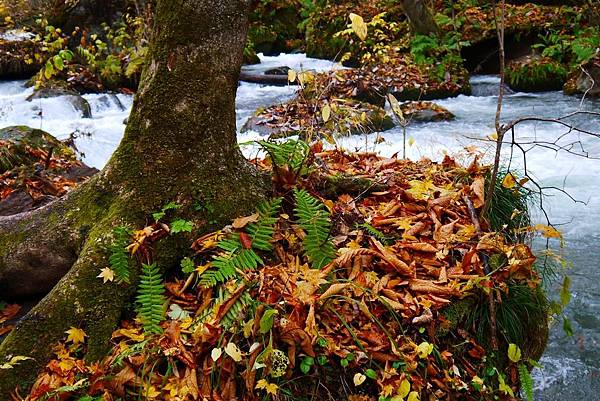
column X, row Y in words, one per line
column 237, row 258
column 375, row 232
column 261, row 232
column 526, row 381
column 119, row 257
column 237, row 311
column 292, row 153
column 315, row 220
column 150, row 299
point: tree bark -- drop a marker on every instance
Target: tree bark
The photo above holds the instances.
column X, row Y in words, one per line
column 420, row 18
column 180, row 145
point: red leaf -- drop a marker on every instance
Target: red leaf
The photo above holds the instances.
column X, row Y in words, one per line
column 246, row 240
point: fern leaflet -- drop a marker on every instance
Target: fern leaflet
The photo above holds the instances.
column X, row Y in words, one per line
column 119, row 257
column 526, row 381
column 316, row 222
column 292, row 153
column 150, row 299
column 235, row 257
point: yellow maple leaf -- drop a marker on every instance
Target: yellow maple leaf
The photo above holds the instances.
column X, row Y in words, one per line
column 132, row 334
column 66, row 364
column 106, row 274
column 421, row 190
column 151, row 392
column 509, row 181
column 270, row 388
column 76, row 336
column 547, row 231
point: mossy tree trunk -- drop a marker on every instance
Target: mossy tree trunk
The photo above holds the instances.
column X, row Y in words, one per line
column 420, row 17
column 180, row 145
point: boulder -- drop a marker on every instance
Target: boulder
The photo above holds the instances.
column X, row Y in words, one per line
column 35, row 169
column 297, row 117
column 16, row 57
column 586, row 80
column 425, row 112
column 74, row 98
column 533, row 73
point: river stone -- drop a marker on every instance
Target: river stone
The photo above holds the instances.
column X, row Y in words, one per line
column 13, row 53
column 425, row 112
column 283, row 70
column 16, row 160
column 76, row 100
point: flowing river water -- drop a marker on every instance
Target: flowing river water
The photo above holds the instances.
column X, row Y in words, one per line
column 571, row 365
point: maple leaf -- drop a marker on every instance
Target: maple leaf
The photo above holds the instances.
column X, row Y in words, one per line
column 76, row 336
column 106, row 274
column 270, row 388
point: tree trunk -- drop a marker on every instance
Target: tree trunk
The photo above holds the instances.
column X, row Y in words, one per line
column 420, row 18
column 180, row 145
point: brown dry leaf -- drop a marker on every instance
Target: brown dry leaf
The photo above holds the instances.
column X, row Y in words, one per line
column 420, row 246
column 429, row 287
column 333, row 290
column 242, row 222
column 444, row 233
column 347, row 255
column 391, row 258
column 478, row 188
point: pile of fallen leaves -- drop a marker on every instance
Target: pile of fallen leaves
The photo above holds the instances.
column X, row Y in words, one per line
column 325, row 118
column 371, row 323
column 400, row 76
column 479, row 21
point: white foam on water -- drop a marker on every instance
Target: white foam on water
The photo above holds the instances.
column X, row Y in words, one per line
column 16, row 35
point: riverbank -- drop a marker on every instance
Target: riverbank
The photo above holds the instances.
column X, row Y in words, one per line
column 570, row 363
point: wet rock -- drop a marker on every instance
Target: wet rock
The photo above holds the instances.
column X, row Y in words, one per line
column 283, row 70
column 74, row 98
column 35, row 169
column 586, row 80
column 16, row 58
column 348, row 117
column 425, row 112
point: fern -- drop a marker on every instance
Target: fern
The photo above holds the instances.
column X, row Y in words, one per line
column 235, row 313
column 150, row 299
column 375, row 232
column 526, row 381
column 292, row 153
column 316, row 222
column 119, row 258
column 235, row 257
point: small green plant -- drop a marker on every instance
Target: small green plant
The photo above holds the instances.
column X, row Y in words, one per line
column 238, row 254
column 119, row 257
column 150, row 299
column 315, row 220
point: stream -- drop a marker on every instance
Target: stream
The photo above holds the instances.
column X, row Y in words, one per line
column 570, row 368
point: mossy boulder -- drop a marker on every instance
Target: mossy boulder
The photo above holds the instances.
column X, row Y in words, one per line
column 535, row 74
column 35, row 168
column 522, row 318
